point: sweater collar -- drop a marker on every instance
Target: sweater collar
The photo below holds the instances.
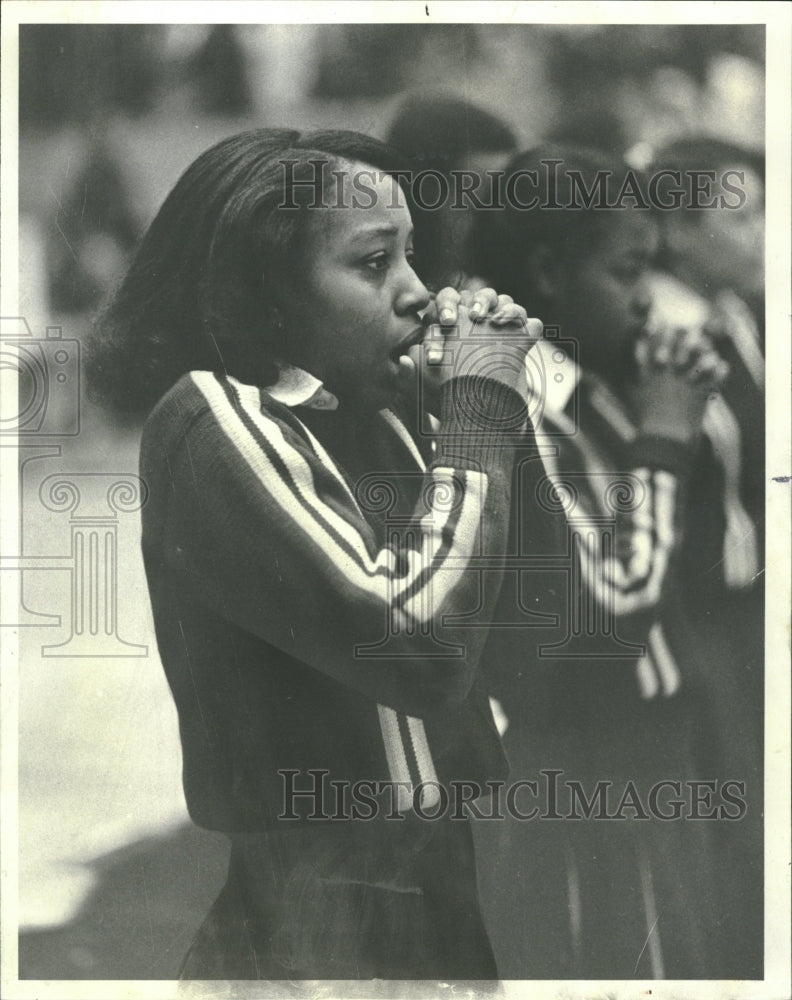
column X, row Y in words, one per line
column 296, row 387
column 552, row 376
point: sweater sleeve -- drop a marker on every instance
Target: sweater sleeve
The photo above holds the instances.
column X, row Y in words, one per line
column 260, row 528
column 623, row 532
column 627, row 568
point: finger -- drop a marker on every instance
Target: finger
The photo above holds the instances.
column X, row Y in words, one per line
column 434, row 345
column 501, row 304
column 706, row 367
column 660, row 353
column 509, row 313
column 447, row 303
column 484, row 301
column 535, row 328
column 659, row 339
column 688, row 345
column 470, row 283
column 407, row 368
column 642, row 352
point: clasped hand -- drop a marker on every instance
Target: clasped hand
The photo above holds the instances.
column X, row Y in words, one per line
column 679, row 369
column 473, row 333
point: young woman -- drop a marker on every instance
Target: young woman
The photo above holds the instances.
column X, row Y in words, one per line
column 714, row 266
column 613, row 879
column 307, row 542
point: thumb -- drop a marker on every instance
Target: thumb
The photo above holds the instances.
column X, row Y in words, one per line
column 434, row 344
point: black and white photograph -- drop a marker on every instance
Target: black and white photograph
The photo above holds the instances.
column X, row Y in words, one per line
column 395, row 545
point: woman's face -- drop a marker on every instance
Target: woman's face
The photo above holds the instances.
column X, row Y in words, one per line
column 604, row 300
column 723, row 248
column 363, row 301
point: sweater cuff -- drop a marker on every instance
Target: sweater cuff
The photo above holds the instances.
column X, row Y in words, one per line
column 658, row 452
column 480, row 420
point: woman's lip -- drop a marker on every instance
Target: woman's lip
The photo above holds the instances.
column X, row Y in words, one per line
column 416, row 337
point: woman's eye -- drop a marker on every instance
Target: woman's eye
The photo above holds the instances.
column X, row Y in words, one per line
column 380, row 262
column 377, row 263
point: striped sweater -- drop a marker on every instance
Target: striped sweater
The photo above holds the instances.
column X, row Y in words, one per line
column 305, row 569
column 626, row 501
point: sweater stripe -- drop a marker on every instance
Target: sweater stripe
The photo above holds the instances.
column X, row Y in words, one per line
column 288, row 479
column 447, row 567
column 396, row 757
column 626, row 585
column 297, row 475
column 429, row 541
column 642, row 538
column 430, row 794
column 434, row 560
column 740, row 549
column 644, row 592
column 646, row 538
column 446, row 551
column 329, row 464
column 646, row 675
column 664, row 660
column 260, row 442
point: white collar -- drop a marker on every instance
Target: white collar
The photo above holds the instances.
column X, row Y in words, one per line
column 295, row 387
column 552, row 376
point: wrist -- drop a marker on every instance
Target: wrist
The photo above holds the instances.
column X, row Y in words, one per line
column 671, row 406
column 480, row 419
column 477, row 402
column 660, row 451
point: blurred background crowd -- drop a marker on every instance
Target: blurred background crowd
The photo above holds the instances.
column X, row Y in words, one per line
column 109, row 116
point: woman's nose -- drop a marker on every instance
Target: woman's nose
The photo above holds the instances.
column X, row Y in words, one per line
column 413, row 295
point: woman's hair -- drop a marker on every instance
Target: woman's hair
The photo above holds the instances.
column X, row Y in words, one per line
column 702, row 152
column 210, row 285
column 552, row 177
column 437, row 132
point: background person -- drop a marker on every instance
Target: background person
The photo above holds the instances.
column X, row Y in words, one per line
column 441, row 134
column 712, row 273
column 588, row 898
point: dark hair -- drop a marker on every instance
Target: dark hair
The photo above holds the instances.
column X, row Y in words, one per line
column 591, row 128
column 435, row 133
column 692, row 153
column 701, row 152
column 210, row 283
column 502, row 240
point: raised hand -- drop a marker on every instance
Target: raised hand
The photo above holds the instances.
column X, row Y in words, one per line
column 475, row 333
column 679, row 369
